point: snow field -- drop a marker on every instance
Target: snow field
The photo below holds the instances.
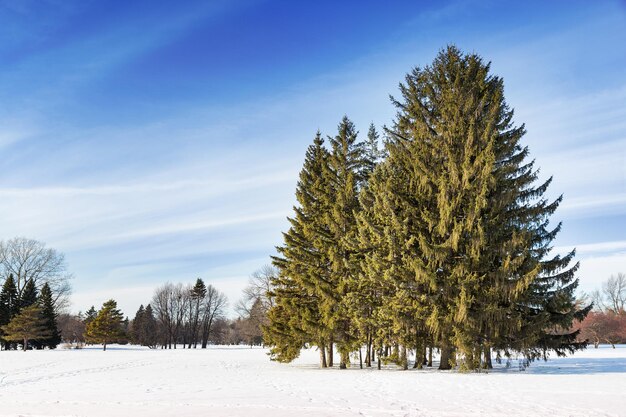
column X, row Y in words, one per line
column 239, row 381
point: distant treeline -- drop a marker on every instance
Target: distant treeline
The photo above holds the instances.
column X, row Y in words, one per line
column 178, row 316
column 606, row 323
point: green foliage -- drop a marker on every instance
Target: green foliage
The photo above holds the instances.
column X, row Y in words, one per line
column 49, row 315
column 28, row 296
column 107, row 327
column 302, row 285
column 144, row 327
column 28, row 325
column 9, row 305
column 90, row 315
column 441, row 241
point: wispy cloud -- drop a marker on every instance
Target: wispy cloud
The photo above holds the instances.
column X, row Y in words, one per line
column 139, row 193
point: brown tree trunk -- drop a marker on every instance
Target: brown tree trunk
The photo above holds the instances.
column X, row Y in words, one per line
column 360, row 359
column 403, row 358
column 25, row 344
column 446, row 357
column 330, row 355
column 378, row 357
column 430, row 356
column 487, row 353
column 343, row 360
column 323, row 363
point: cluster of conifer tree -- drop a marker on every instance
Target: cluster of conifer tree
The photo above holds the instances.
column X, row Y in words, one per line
column 27, row 317
column 441, row 241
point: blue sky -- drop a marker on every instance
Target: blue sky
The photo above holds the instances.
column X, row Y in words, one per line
column 152, row 142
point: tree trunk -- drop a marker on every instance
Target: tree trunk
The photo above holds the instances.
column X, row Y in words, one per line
column 343, row 360
column 104, row 346
column 488, row 364
column 25, row 344
column 446, row 357
column 368, row 357
column 420, row 354
column 379, row 352
column 323, row 363
column 430, row 356
column 360, row 359
column 403, row 358
column 330, row 355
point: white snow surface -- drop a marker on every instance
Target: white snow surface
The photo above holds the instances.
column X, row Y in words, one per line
column 240, row 381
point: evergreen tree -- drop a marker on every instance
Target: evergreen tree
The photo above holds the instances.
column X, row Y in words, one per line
column 346, row 172
column 9, row 305
column 149, row 331
column 29, row 294
column 136, row 334
column 396, row 301
column 25, row 326
column 372, row 154
column 144, row 327
column 298, row 291
column 482, row 232
column 107, row 327
column 198, row 292
column 90, row 315
column 48, row 313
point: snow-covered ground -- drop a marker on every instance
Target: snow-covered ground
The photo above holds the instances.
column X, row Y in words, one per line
column 239, row 381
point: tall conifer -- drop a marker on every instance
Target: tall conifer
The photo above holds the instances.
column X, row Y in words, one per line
column 483, row 226
column 49, row 315
column 347, row 172
column 9, row 304
column 303, row 267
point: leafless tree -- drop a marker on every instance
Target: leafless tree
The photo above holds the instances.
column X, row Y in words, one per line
column 28, row 259
column 597, row 297
column 72, row 328
column 259, row 286
column 213, row 307
column 170, row 305
column 614, row 291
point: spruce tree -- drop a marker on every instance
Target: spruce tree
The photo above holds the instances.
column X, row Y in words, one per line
column 346, row 172
column 49, row 315
column 90, row 315
column 198, row 292
column 136, row 334
column 372, row 154
column 107, row 327
column 28, row 296
column 149, row 331
column 483, row 233
column 9, row 305
column 304, row 276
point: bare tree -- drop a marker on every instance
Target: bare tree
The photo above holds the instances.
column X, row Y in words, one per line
column 29, row 259
column 259, row 286
column 614, row 291
column 597, row 297
column 170, row 305
column 72, row 328
column 213, row 306
column 196, row 294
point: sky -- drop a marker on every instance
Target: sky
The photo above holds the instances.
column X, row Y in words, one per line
column 161, row 141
